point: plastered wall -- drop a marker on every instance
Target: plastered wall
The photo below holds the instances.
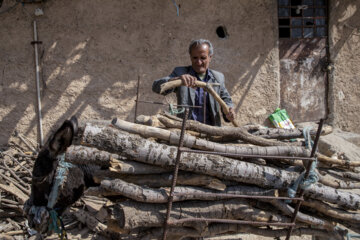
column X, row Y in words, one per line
column 344, row 79
column 93, row 53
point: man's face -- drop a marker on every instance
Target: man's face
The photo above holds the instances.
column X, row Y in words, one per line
column 200, row 58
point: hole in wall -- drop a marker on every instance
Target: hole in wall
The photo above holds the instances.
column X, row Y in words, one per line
column 222, row 32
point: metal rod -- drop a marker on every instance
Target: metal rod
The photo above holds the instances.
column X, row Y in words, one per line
column 173, row 222
column 177, row 163
column 37, row 70
column 229, row 195
column 247, row 155
column 137, row 97
column 301, row 192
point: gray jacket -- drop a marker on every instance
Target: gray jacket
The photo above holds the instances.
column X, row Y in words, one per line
column 186, row 95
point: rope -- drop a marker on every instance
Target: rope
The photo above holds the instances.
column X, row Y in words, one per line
column 53, row 226
column 177, row 8
column 62, row 168
column 174, row 111
column 306, row 133
column 55, row 219
column 312, row 178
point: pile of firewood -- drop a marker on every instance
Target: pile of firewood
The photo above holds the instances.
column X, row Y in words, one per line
column 15, row 181
column 137, row 163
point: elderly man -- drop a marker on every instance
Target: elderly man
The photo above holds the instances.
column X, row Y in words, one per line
column 201, row 52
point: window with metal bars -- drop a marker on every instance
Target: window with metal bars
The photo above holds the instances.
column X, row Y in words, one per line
column 302, row 18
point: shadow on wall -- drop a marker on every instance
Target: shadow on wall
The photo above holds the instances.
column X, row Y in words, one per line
column 347, row 16
column 107, row 87
column 76, row 80
column 67, row 89
column 247, row 79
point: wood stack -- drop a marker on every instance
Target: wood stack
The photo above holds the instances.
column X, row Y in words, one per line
column 15, row 182
column 137, row 164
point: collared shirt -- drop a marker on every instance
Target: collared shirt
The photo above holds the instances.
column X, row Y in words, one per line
column 198, row 113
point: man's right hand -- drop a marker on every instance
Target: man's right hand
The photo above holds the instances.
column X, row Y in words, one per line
column 188, row 80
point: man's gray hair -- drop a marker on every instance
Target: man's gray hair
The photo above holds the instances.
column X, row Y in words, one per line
column 199, row 42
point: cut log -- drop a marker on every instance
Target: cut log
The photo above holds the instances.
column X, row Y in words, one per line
column 223, row 229
column 131, row 214
column 164, row 179
column 248, row 127
column 207, row 87
column 327, row 210
column 85, row 155
column 197, row 143
column 238, row 132
column 329, row 160
column 149, row 195
column 313, row 221
column 140, row 149
column 330, row 181
column 117, row 164
column 282, row 133
column 349, row 175
column 149, row 121
column 90, row 221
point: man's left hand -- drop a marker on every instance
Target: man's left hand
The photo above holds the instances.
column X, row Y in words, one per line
column 231, row 115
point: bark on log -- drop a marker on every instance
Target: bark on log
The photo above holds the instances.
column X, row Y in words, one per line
column 201, row 144
column 164, row 179
column 131, row 214
column 86, row 155
column 315, row 221
column 149, row 121
column 82, row 123
column 207, row 87
column 90, row 221
column 150, row 195
column 330, row 181
column 237, row 132
column 327, row 210
column 217, row 229
column 349, row 175
column 248, row 127
column 329, row 160
column 140, row 149
column 282, row 133
column 117, row 164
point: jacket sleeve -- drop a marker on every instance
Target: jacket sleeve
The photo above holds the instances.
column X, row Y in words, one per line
column 156, row 87
column 225, row 96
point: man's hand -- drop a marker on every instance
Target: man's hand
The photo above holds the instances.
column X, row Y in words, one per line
column 231, row 115
column 188, row 80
